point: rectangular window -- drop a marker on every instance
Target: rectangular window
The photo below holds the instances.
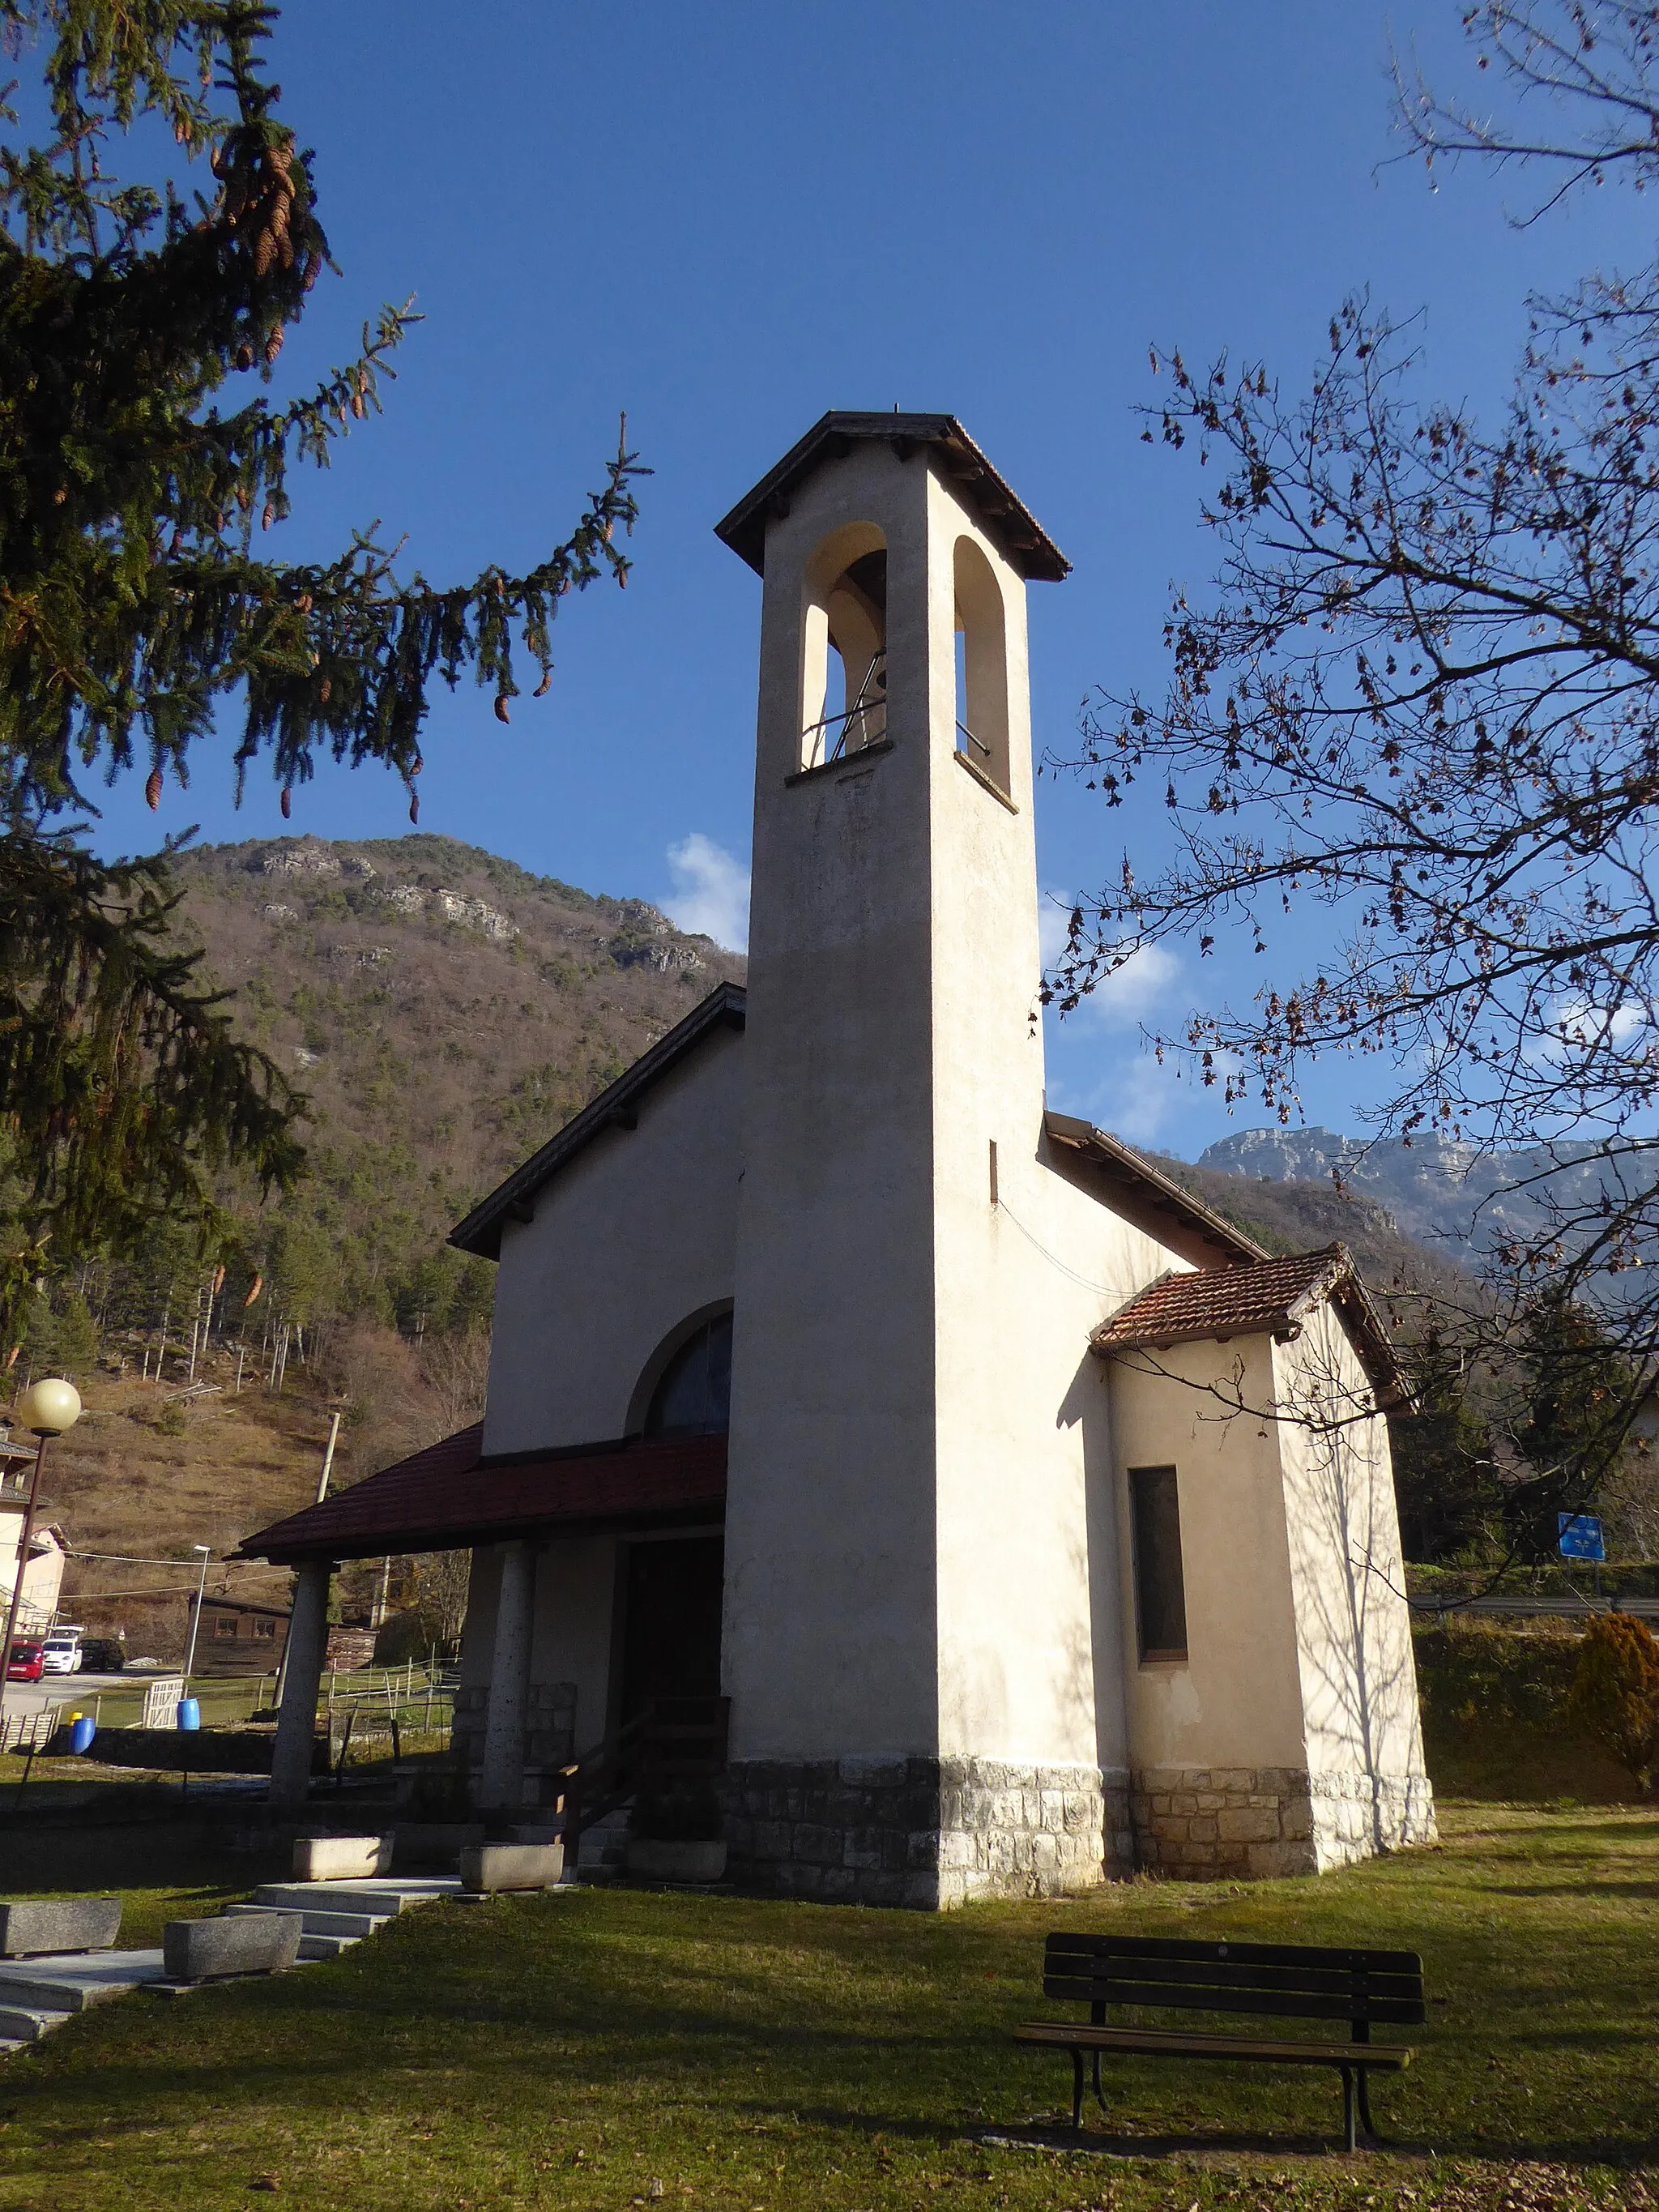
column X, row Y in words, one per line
column 1160, row 1591
column 224, row 1623
column 265, row 1628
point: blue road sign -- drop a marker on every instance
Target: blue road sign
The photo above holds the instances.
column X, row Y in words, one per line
column 1581, row 1536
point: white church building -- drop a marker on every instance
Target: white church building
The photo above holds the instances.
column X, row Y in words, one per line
column 1032, row 1523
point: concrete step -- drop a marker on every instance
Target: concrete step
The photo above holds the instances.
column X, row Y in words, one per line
column 327, row 1946
column 321, row 1924
column 28, row 2023
column 378, row 1898
column 70, row 1981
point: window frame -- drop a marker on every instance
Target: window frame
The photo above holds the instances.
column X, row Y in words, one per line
column 1149, row 1552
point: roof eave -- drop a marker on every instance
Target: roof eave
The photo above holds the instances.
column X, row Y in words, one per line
column 480, row 1233
column 1118, row 1158
column 1009, row 521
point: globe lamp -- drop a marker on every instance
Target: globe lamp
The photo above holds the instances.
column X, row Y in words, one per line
column 49, row 1407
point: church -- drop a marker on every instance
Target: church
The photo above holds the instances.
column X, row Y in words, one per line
column 1028, row 1522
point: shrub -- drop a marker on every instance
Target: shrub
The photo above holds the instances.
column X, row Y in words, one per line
column 1615, row 1692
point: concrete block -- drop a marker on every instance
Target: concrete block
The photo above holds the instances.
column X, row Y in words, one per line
column 1202, row 1828
column 489, row 1868
column 341, row 1858
column 1268, row 1860
column 36, row 1925
column 246, row 1943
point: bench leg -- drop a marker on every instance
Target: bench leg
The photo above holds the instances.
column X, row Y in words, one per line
column 1347, row 2108
column 1077, row 2090
column 1365, row 2119
column 1099, row 2099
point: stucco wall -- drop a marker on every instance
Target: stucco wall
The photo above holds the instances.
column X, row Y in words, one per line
column 830, row 1637
column 1358, row 1681
column 1236, row 1701
column 632, row 1236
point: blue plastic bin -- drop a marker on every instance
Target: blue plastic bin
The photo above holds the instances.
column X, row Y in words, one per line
column 189, row 1713
column 82, row 1733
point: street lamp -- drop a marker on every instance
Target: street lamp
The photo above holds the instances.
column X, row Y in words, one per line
column 206, row 1551
column 46, row 1410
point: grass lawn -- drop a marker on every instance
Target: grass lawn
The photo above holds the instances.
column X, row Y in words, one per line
column 601, row 2049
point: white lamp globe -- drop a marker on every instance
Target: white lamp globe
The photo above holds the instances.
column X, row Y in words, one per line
column 49, row 1407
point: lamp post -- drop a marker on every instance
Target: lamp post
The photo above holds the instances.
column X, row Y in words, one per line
column 206, row 1551
column 46, row 1409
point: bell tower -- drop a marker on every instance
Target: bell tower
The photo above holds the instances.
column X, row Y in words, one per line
column 895, row 1070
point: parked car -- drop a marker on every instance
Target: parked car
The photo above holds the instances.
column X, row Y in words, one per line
column 103, row 1655
column 62, row 1650
column 27, row 1663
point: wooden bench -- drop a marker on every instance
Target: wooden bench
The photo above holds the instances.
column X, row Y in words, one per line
column 1285, row 1981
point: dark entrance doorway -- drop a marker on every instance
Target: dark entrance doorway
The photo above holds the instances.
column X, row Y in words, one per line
column 672, row 1621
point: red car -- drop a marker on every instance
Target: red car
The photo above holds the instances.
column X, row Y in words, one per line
column 27, row 1663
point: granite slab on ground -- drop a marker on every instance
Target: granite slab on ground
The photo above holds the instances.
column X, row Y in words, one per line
column 209, row 1950
column 486, row 1868
column 34, row 1925
column 341, row 1858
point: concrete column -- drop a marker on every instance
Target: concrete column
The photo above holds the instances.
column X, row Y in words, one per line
column 296, row 1723
column 502, row 1782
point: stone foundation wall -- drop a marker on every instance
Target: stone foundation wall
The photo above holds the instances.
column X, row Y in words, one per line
column 925, row 1833
column 549, row 1732
column 1214, row 1823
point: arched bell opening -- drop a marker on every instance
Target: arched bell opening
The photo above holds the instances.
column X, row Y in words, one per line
column 844, row 646
column 981, row 717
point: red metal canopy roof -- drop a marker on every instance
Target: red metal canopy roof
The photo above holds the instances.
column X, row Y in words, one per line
column 449, row 1497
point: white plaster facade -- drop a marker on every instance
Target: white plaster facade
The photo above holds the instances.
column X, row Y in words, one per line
column 929, row 1635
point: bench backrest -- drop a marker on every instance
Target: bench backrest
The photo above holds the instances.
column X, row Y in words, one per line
column 1286, row 1980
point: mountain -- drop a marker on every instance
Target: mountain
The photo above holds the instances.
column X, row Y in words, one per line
column 1444, row 1194
column 444, row 1011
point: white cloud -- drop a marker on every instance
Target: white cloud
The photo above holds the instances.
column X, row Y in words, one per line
column 710, row 897
column 1131, row 992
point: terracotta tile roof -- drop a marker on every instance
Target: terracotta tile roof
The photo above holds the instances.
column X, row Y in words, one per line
column 1271, row 1298
column 448, row 1497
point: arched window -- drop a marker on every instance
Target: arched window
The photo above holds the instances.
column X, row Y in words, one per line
column 844, row 646
column 981, row 665
column 693, row 1396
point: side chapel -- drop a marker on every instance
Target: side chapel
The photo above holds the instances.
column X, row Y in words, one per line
column 1034, row 1523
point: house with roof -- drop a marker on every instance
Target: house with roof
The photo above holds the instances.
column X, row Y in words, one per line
column 1026, row 1521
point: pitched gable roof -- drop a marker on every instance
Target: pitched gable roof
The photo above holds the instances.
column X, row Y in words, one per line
column 615, row 1108
column 1273, row 1298
column 1009, row 523
column 1145, row 1194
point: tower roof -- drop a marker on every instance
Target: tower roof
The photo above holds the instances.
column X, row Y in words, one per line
column 1010, row 524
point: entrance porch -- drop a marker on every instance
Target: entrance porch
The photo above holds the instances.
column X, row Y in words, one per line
column 595, row 1596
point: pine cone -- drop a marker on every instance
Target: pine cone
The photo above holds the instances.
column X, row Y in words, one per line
column 152, row 789
column 268, row 516
column 274, row 344
column 265, row 253
column 254, row 1289
column 501, row 715
column 324, row 688
column 414, row 806
column 540, row 691
column 288, row 803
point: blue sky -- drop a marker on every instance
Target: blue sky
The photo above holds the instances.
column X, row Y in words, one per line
column 725, row 219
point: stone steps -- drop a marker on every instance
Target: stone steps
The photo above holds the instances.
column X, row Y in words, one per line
column 38, row 1995
column 325, row 1947
column 313, row 1922
column 70, row 1982
column 22, row 2024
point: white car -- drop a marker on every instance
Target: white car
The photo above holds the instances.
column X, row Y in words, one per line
column 62, row 1651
